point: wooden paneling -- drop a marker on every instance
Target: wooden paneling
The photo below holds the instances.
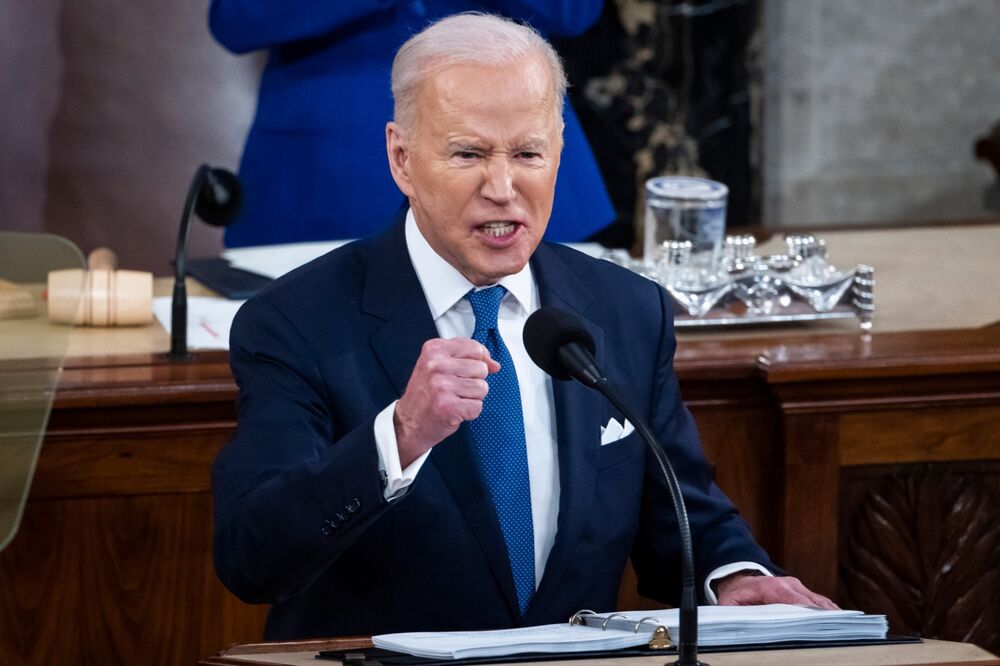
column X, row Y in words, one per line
column 112, row 563
column 893, row 471
column 113, row 560
column 740, row 443
column 898, row 436
column 810, row 501
column 130, row 462
column 125, row 580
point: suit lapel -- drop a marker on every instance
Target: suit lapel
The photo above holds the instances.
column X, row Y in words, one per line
column 393, row 293
column 578, row 422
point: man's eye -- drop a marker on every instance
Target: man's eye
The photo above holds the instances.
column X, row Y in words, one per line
column 466, row 155
column 528, row 155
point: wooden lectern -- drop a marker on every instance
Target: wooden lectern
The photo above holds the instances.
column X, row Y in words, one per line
column 938, row 653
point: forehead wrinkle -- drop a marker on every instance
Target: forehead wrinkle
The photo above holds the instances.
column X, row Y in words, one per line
column 444, row 103
column 529, row 142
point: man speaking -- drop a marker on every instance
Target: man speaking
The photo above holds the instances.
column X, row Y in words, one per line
column 399, row 463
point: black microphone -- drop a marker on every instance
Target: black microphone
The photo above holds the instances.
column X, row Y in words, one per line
column 559, row 344
column 216, row 196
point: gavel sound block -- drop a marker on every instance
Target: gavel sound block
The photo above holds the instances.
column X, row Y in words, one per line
column 100, row 295
column 15, row 301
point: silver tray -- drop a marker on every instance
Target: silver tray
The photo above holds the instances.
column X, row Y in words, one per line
column 742, row 288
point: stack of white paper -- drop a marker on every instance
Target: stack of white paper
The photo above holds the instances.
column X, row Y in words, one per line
column 717, row 626
column 544, row 638
column 743, row 625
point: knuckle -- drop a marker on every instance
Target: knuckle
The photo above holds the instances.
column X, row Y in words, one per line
column 442, row 404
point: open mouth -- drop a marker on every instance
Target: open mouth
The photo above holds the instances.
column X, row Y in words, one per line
column 498, row 229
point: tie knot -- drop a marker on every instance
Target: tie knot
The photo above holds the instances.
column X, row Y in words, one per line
column 486, row 306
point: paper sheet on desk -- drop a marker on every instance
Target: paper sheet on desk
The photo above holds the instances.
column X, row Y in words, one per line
column 274, row 261
column 559, row 638
column 209, row 320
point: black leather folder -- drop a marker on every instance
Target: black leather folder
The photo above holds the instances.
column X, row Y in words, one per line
column 232, row 283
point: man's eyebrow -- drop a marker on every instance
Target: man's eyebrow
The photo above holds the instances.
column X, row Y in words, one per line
column 457, row 144
column 528, row 144
column 533, row 143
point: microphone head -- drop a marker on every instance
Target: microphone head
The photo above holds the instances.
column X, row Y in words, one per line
column 220, row 197
column 547, row 331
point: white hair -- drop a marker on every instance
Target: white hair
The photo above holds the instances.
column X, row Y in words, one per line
column 468, row 38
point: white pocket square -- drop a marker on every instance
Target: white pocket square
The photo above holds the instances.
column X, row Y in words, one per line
column 614, row 431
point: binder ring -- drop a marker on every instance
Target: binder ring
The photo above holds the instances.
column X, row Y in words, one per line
column 604, row 626
column 577, row 619
column 643, row 621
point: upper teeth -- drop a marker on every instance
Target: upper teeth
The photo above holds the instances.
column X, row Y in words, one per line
column 498, row 228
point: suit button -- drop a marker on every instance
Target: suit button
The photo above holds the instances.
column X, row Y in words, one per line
column 354, row 506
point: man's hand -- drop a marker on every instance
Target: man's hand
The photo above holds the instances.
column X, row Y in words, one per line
column 447, row 387
column 741, row 589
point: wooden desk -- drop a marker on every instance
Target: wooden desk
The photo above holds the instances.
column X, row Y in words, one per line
column 868, row 465
column 929, row 652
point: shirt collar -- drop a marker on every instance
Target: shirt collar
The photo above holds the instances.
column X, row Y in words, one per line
column 444, row 286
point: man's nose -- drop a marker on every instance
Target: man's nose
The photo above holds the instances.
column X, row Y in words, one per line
column 498, row 182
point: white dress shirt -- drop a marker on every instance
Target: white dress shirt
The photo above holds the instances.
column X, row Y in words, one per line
column 445, row 289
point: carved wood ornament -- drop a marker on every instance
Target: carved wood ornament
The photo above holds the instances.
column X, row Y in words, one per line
column 924, row 549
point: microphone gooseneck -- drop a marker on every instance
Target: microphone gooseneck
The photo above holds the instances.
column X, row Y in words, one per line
column 559, row 344
column 216, row 196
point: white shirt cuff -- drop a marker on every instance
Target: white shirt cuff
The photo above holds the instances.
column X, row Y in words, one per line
column 397, row 479
column 728, row 570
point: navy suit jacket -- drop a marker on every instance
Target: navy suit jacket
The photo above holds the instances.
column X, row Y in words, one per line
column 300, row 517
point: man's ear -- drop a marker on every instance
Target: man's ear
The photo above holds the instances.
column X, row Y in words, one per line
column 399, row 157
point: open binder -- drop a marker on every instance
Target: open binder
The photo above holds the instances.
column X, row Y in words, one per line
column 659, row 640
column 634, row 634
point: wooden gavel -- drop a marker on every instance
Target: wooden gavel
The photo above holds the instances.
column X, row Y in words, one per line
column 100, row 295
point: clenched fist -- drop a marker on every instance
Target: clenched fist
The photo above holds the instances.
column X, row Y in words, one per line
column 447, row 387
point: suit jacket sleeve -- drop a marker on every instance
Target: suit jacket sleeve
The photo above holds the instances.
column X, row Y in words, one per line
column 720, row 536
column 565, row 18
column 291, row 491
column 247, row 25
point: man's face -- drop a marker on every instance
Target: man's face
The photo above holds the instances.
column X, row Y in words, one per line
column 479, row 164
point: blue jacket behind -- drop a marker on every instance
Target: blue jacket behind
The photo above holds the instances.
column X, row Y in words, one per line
column 314, row 166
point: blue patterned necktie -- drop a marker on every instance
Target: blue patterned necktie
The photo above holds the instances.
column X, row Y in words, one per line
column 498, row 441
